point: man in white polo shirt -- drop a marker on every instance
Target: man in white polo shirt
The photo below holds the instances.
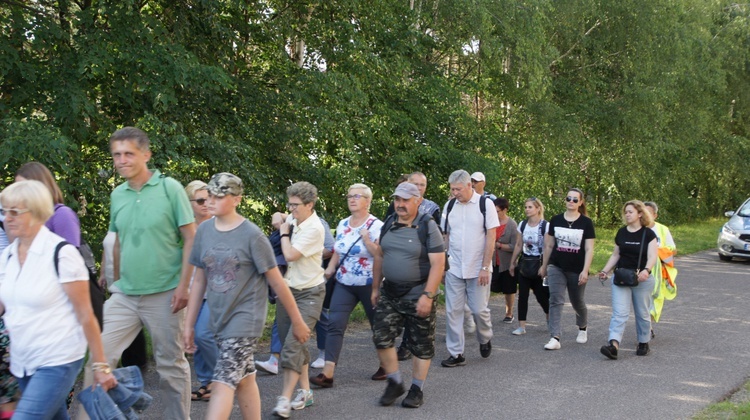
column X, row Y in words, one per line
column 468, row 279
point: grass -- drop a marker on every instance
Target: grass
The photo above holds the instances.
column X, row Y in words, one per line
column 735, row 406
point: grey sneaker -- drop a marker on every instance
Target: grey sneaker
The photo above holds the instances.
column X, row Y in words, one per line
column 303, row 399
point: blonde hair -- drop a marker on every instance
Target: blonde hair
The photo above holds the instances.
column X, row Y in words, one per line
column 363, row 187
column 538, row 204
column 32, row 194
column 645, row 216
column 193, row 187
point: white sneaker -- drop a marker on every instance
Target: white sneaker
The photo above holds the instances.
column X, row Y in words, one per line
column 304, row 398
column 319, row 363
column 519, row 331
column 583, row 337
column 270, row 366
column 554, row 344
column 283, row 408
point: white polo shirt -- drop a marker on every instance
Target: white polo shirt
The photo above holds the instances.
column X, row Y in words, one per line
column 466, row 235
column 42, row 324
column 307, row 238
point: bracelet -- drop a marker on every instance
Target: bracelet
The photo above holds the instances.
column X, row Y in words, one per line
column 286, row 235
column 102, row 367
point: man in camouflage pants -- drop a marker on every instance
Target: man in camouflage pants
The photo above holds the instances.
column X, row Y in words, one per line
column 412, row 260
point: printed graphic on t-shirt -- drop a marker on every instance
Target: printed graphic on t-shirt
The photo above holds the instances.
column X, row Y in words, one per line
column 531, row 241
column 568, row 240
column 222, row 266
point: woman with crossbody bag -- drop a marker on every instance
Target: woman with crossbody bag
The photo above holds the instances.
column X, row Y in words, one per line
column 352, row 261
column 530, row 246
column 635, row 251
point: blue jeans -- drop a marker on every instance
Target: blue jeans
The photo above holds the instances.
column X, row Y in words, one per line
column 206, row 352
column 43, row 394
column 640, row 296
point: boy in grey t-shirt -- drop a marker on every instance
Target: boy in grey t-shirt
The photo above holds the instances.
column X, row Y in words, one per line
column 235, row 261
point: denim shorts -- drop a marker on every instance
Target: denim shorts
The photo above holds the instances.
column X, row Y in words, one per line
column 236, row 360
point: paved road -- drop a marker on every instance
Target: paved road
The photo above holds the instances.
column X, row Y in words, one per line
column 701, row 353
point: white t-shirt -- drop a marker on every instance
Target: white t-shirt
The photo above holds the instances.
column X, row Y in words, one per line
column 533, row 243
column 466, row 235
column 42, row 324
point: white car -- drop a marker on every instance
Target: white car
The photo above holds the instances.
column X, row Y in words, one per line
column 734, row 238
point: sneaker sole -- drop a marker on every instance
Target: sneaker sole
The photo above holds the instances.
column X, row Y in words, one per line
column 280, row 415
column 448, row 365
column 307, row 404
column 262, row 369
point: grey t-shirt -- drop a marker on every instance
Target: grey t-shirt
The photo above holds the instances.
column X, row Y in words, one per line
column 236, row 290
column 405, row 259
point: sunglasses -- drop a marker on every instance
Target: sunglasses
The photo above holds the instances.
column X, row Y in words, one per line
column 200, row 201
column 13, row 212
column 572, row 199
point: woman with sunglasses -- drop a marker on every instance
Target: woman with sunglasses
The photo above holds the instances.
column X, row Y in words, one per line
column 356, row 242
column 206, row 352
column 568, row 252
column 47, row 306
column 530, row 245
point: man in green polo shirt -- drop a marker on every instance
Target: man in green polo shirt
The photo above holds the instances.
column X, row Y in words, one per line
column 153, row 220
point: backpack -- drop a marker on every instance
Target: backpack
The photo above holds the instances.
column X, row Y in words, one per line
column 96, row 292
column 423, row 227
column 482, row 208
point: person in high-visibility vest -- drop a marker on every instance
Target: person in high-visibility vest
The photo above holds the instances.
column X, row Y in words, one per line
column 665, row 271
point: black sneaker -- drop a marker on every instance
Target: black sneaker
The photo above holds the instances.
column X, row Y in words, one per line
column 414, row 399
column 610, row 351
column 392, row 392
column 485, row 349
column 403, row 354
column 642, row 349
column 454, row 361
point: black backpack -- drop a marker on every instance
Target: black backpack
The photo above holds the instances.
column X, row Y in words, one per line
column 482, row 208
column 96, row 292
column 423, row 227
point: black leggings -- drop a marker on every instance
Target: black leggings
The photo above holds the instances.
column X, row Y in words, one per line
column 541, row 293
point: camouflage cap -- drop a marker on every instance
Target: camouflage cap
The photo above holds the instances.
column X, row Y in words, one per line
column 224, row 183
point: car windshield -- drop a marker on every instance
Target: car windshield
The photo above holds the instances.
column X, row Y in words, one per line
column 745, row 209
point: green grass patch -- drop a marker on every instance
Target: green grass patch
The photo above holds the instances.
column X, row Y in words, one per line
column 735, row 407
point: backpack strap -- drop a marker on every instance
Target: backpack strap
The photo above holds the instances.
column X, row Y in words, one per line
column 57, row 256
column 387, row 223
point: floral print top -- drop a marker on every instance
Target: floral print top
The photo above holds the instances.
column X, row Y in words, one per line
column 356, row 268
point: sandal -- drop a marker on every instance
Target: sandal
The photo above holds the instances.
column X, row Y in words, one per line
column 202, row 393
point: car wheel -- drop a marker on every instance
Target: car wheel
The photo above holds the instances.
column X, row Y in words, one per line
column 725, row 257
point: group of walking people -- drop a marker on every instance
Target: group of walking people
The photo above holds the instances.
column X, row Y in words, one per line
column 172, row 249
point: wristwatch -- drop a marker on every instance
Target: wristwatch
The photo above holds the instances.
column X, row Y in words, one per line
column 288, row 235
column 487, row 268
column 431, row 295
column 649, row 270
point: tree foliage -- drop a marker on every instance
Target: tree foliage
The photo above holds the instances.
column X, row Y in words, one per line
column 625, row 99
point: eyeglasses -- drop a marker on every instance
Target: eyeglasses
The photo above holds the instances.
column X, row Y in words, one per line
column 354, row 196
column 572, row 199
column 200, row 201
column 13, row 212
column 293, row 206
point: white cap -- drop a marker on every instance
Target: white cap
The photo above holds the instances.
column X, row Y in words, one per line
column 477, row 176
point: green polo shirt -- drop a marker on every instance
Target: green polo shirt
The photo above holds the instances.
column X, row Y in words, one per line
column 148, row 223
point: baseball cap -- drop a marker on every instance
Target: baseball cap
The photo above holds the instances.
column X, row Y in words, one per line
column 224, row 183
column 406, row 190
column 477, row 176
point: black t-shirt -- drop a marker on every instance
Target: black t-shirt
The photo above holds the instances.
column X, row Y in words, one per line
column 629, row 244
column 569, row 253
